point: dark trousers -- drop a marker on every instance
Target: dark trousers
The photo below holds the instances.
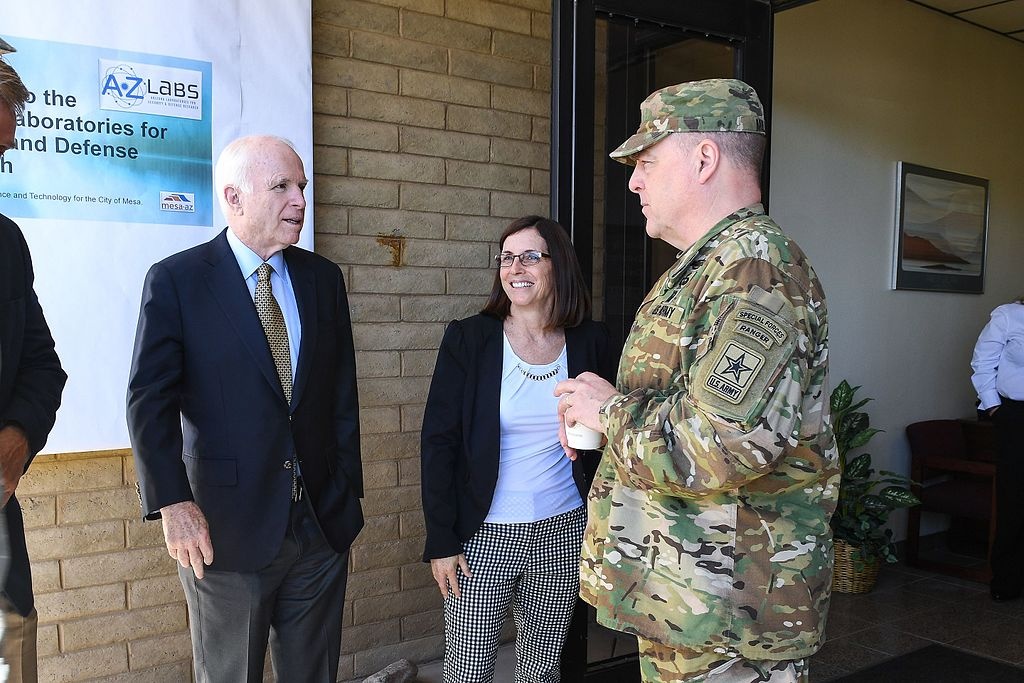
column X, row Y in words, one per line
column 296, row 602
column 1008, row 548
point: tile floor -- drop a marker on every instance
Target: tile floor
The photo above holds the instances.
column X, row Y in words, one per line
column 910, row 609
column 907, row 610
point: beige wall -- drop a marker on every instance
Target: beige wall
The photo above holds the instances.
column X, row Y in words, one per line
column 859, row 86
column 109, row 602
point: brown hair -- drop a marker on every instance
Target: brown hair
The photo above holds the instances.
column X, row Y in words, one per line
column 571, row 304
column 13, row 93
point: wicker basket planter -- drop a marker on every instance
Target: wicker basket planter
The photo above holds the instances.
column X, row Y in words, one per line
column 847, row 577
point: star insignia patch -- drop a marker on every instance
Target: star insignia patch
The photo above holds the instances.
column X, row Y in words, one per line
column 733, row 372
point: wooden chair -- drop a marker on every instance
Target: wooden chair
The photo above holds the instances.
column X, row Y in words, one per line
column 953, row 467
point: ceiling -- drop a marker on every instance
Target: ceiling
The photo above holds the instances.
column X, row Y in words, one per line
column 1005, row 17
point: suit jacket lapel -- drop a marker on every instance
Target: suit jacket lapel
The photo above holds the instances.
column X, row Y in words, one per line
column 304, row 285
column 230, row 291
column 491, row 357
column 574, row 352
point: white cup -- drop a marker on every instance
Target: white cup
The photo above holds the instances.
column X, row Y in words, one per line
column 582, row 437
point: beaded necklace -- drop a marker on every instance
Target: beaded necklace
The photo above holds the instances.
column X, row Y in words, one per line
column 541, row 377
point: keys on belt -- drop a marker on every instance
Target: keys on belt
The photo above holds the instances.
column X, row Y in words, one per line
column 293, row 465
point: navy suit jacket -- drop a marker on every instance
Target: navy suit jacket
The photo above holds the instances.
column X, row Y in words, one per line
column 460, row 440
column 207, row 416
column 31, row 383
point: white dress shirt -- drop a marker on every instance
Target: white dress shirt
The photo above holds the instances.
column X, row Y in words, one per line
column 280, row 284
column 998, row 360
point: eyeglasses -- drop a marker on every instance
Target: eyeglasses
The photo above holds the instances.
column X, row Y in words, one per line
column 528, row 258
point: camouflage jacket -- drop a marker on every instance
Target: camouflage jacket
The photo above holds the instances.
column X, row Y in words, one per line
column 709, row 517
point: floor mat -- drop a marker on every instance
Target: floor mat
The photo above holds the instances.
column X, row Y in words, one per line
column 934, row 664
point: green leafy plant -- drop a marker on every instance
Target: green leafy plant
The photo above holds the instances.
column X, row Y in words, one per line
column 865, row 502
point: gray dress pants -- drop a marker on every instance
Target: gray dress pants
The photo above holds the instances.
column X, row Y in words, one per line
column 296, row 603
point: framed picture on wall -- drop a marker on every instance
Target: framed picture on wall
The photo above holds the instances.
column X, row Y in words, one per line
column 941, row 230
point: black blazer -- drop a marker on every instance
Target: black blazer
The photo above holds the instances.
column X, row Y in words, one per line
column 31, row 382
column 460, row 440
column 208, row 419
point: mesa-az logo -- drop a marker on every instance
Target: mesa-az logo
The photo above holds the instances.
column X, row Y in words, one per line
column 181, row 202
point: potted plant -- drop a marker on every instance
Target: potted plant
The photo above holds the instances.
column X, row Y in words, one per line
column 862, row 541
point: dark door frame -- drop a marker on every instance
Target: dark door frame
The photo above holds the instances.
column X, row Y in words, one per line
column 748, row 23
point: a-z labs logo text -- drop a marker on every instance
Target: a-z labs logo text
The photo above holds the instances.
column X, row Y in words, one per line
column 150, row 89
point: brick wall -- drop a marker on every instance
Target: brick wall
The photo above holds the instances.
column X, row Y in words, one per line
column 109, row 602
column 431, row 132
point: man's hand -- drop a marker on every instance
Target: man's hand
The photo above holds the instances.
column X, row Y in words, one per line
column 581, row 399
column 446, row 574
column 13, row 454
column 187, row 535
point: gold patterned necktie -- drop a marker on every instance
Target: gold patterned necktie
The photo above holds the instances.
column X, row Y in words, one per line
column 274, row 327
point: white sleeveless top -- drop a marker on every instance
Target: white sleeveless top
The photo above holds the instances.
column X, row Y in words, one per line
column 534, row 475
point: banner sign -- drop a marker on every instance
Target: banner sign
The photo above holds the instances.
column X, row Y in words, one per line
column 110, row 135
column 113, row 168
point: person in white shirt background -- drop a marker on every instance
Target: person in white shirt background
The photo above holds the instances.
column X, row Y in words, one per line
column 998, row 377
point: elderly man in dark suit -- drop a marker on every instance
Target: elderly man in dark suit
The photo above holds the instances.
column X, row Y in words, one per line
column 243, row 417
column 31, row 382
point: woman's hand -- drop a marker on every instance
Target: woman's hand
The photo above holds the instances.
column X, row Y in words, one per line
column 445, row 570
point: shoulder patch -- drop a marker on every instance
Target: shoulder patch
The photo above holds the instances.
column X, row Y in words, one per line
column 764, row 321
column 733, row 371
column 750, row 346
column 754, row 332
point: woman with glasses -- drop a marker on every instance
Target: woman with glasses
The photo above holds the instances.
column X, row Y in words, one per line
column 502, row 502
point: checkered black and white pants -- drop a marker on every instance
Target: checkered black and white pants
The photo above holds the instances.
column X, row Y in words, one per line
column 534, row 567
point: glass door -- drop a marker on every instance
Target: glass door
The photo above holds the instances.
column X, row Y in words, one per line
column 637, row 58
column 609, row 55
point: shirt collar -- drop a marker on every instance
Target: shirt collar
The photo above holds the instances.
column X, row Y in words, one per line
column 249, row 261
column 684, row 258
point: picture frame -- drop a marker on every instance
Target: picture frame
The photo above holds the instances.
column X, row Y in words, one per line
column 941, row 231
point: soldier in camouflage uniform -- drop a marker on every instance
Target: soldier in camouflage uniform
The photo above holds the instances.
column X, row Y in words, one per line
column 708, row 534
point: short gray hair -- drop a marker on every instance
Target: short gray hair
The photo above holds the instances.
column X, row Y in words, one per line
column 234, row 165
column 746, row 150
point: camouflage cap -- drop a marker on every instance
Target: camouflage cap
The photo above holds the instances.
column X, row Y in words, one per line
column 718, row 104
